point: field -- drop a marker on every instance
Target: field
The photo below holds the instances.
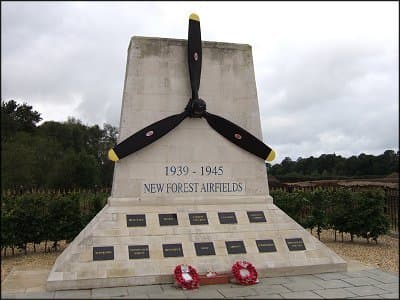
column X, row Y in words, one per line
column 384, row 255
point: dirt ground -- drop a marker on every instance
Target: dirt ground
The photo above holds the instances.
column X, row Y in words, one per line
column 384, row 255
column 38, row 259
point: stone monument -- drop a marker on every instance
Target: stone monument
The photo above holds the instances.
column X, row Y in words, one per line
column 192, row 196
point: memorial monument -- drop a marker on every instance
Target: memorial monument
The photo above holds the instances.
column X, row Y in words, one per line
column 191, row 188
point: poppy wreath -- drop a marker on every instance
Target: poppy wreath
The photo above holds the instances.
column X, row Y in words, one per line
column 244, row 272
column 180, row 274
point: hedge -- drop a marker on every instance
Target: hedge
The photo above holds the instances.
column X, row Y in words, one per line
column 37, row 217
column 356, row 213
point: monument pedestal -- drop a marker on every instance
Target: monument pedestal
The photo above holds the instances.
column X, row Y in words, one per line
column 192, row 197
column 264, row 244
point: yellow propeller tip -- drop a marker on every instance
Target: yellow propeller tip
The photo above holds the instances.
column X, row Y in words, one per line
column 112, row 156
column 194, row 17
column 271, row 156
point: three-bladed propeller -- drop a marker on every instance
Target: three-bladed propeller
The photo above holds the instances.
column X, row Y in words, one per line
column 196, row 108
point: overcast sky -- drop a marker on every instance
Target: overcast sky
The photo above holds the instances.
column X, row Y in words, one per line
column 326, row 72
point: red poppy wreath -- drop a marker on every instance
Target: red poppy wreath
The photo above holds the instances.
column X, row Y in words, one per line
column 245, row 273
column 186, row 277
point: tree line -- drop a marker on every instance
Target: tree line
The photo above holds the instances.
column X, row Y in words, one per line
column 332, row 166
column 53, row 155
column 67, row 155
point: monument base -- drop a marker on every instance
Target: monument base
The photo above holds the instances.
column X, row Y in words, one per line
column 220, row 214
column 140, row 245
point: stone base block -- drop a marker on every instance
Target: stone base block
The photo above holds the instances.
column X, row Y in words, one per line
column 259, row 233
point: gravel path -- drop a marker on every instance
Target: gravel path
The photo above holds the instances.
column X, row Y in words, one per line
column 384, row 255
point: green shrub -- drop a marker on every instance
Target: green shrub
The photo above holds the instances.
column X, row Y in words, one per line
column 294, row 204
column 37, row 217
column 64, row 217
column 92, row 203
column 319, row 199
column 357, row 213
column 340, row 212
column 373, row 220
column 7, row 223
column 27, row 217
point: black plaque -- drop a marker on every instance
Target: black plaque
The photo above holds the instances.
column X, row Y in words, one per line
column 295, row 244
column 168, row 219
column 138, row 251
column 227, row 218
column 256, row 216
column 135, row 220
column 235, row 247
column 198, row 219
column 172, row 250
column 204, row 249
column 266, row 245
column 103, row 253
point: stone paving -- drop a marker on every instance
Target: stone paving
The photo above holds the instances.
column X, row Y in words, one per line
column 357, row 283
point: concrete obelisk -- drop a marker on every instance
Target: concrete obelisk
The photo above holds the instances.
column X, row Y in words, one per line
column 192, row 196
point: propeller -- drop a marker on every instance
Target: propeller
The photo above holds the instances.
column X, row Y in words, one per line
column 196, row 108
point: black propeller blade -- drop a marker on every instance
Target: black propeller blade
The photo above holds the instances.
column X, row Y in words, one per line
column 239, row 136
column 145, row 136
column 194, row 54
column 196, row 108
column 229, row 130
column 158, row 129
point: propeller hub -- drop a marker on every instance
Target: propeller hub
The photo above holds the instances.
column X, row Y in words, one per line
column 196, row 108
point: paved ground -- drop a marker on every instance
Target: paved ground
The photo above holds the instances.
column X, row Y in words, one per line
column 359, row 282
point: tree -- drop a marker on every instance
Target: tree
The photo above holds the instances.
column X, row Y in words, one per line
column 374, row 221
column 8, row 223
column 73, row 136
column 27, row 213
column 64, row 218
column 16, row 117
column 353, row 216
column 75, row 170
column 334, row 166
column 294, row 204
column 109, row 140
column 54, row 154
column 17, row 162
column 339, row 214
column 319, row 204
column 288, row 164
